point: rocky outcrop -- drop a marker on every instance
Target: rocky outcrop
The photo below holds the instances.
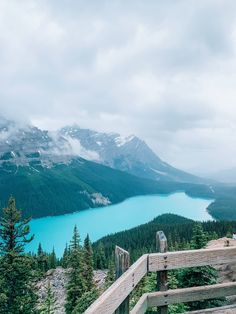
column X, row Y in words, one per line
column 58, row 279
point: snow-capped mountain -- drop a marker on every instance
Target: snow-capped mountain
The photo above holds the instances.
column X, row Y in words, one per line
column 27, row 145
column 30, row 146
column 129, row 154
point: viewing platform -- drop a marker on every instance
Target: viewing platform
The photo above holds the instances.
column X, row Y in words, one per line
column 116, row 298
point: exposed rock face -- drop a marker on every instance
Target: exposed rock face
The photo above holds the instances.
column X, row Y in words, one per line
column 58, row 279
column 26, row 145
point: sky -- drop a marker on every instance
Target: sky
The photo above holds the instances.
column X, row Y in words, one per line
column 162, row 70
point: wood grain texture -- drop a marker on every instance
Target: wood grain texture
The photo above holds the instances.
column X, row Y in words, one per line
column 161, row 247
column 122, row 260
column 192, row 258
column 191, row 294
column 111, row 299
column 229, row 309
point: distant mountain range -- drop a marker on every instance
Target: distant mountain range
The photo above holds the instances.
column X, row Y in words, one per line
column 28, row 145
column 52, row 173
column 129, row 154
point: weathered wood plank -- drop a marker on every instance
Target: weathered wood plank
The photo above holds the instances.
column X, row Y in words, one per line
column 193, row 258
column 161, row 247
column 141, row 306
column 229, row 309
column 122, row 261
column 110, row 300
column 191, row 294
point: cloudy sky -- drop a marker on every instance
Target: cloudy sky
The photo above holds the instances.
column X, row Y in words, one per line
column 163, row 70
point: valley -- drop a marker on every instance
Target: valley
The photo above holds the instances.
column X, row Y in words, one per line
column 72, row 169
column 99, row 222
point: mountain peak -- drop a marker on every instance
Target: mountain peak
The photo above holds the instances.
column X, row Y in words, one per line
column 27, row 145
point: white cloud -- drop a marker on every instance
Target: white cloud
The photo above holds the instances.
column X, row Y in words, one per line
column 164, row 70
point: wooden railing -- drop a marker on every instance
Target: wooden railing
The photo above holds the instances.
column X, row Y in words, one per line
column 116, row 298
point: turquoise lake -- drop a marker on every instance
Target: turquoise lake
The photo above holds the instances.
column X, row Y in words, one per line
column 97, row 222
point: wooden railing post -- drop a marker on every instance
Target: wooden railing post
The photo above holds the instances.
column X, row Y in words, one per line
column 122, row 262
column 161, row 246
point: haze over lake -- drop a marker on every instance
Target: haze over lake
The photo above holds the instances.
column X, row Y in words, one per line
column 98, row 222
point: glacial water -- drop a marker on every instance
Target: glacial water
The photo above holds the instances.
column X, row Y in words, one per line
column 97, row 222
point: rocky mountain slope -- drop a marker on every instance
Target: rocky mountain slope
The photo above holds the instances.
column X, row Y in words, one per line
column 74, row 169
column 58, row 279
column 27, row 145
column 129, row 154
column 66, row 188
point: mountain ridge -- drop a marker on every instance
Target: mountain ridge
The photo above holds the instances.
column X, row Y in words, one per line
column 29, row 145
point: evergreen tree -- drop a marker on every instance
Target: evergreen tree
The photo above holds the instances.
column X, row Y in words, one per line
column 88, row 263
column 75, row 242
column 100, row 256
column 85, row 301
column 52, row 259
column 49, row 305
column 199, row 239
column 110, row 278
column 16, row 291
column 76, row 285
column 42, row 260
column 40, row 249
column 199, row 276
column 173, row 283
column 64, row 261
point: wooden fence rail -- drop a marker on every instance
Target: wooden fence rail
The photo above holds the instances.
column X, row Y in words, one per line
column 112, row 299
column 183, row 296
column 192, row 258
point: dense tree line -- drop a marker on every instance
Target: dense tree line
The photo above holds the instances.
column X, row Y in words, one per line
column 142, row 239
column 19, row 271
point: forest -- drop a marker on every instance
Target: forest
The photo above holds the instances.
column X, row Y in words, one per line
column 20, row 271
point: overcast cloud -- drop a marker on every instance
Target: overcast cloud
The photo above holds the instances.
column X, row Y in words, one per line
column 163, row 70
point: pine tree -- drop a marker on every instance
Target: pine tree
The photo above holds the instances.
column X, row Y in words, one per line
column 85, row 301
column 110, row 278
column 65, row 257
column 88, row 264
column 199, row 239
column 42, row 260
column 173, row 283
column 16, row 291
column 75, row 242
column 52, row 259
column 40, row 249
column 49, row 305
column 100, row 257
column 199, row 276
column 76, row 285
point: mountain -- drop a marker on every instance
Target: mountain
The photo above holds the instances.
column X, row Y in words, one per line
column 53, row 173
column 225, row 176
column 66, row 188
column 178, row 230
column 29, row 146
column 129, row 154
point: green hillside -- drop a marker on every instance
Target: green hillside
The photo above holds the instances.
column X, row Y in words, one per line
column 67, row 188
column 178, row 230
